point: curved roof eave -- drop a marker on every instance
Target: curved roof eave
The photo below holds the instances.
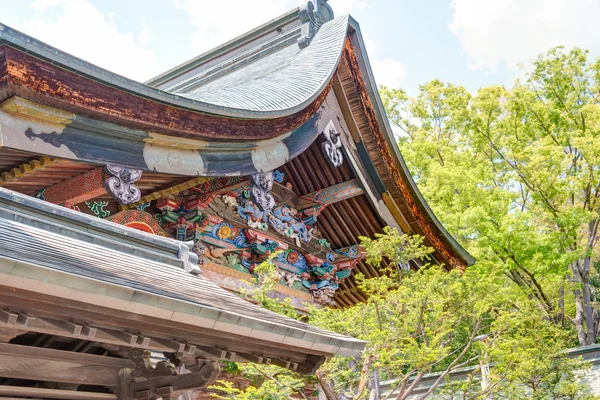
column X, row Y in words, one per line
column 384, row 124
column 328, row 41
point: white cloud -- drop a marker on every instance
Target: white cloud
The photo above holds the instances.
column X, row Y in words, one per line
column 219, row 21
column 495, row 32
column 343, row 7
column 77, row 27
column 388, row 72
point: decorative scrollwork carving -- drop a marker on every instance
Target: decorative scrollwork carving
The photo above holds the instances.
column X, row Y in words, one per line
column 260, row 192
column 120, row 183
column 332, row 145
column 143, row 366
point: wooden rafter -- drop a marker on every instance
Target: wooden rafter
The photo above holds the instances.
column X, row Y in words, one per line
column 168, row 191
column 26, row 169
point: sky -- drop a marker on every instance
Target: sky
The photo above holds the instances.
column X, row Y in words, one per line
column 473, row 43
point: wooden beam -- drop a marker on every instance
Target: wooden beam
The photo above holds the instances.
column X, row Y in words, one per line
column 331, row 194
column 168, row 191
column 35, row 363
column 41, row 393
column 353, row 252
column 22, row 323
column 18, row 323
column 76, row 190
column 169, row 387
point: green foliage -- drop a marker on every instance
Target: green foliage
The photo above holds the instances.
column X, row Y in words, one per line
column 437, row 321
column 513, row 174
column 263, row 283
column 269, row 382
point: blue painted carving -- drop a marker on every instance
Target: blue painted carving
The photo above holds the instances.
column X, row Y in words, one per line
column 282, row 219
column 255, row 217
column 350, row 252
column 143, row 206
column 239, row 240
column 292, row 261
column 319, row 284
column 278, row 176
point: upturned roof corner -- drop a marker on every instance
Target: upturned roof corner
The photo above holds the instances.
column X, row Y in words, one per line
column 312, row 17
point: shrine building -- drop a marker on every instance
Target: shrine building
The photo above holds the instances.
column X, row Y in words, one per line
column 133, row 214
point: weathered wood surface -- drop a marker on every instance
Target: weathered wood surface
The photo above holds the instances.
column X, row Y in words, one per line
column 33, row 363
column 33, row 78
column 42, row 393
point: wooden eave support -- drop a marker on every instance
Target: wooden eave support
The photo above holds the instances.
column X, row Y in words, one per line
column 332, row 194
column 167, row 192
column 76, row 190
column 21, row 323
column 26, row 169
column 35, row 363
column 42, row 393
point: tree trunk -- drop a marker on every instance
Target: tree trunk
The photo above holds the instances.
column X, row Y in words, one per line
column 327, row 389
column 364, row 377
column 587, row 302
column 561, row 305
column 578, row 321
column 584, row 318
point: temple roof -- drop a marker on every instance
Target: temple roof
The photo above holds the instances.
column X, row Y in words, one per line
column 251, row 105
column 107, row 263
column 271, row 79
column 278, row 82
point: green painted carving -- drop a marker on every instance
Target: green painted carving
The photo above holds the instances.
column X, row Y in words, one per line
column 323, row 242
column 40, row 194
column 97, row 207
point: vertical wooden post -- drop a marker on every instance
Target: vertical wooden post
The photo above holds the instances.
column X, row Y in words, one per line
column 123, row 386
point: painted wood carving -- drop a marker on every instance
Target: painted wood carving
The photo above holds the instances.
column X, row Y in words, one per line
column 120, row 183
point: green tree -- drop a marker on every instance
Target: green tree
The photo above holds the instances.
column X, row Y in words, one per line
column 514, row 175
column 434, row 320
column 268, row 382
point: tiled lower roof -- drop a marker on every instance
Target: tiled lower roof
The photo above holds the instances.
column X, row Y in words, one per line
column 64, row 241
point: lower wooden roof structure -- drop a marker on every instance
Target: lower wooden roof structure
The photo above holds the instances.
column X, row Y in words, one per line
column 68, row 275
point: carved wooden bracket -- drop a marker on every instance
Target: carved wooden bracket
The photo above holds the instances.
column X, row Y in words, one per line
column 332, row 145
column 171, row 387
column 260, row 192
column 143, row 366
column 120, row 183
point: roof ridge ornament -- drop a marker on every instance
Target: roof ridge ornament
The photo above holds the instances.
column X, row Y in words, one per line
column 313, row 14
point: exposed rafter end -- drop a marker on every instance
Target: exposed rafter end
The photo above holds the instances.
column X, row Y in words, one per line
column 26, row 169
